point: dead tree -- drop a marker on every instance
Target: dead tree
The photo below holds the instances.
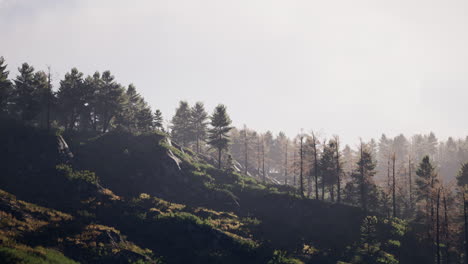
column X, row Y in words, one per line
column 246, row 150
column 301, row 165
column 314, row 148
column 286, row 163
column 410, row 184
column 438, row 227
column 263, row 160
column 394, row 186
column 338, row 168
column 465, row 219
column 294, row 164
column 446, row 230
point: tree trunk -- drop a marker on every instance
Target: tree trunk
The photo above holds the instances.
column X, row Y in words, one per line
column 219, row 158
column 258, row 156
column 263, row 161
column 410, row 184
column 246, row 149
column 438, row 228
column 363, row 182
column 446, row 227
column 301, row 173
column 49, row 86
column 465, row 219
column 286, row 164
column 315, row 167
column 338, row 170
column 294, row 165
column 393, row 186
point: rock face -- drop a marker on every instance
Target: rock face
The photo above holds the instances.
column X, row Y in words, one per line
column 64, row 150
column 130, row 165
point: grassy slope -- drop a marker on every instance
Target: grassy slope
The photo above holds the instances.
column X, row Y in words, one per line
column 144, row 164
column 213, row 216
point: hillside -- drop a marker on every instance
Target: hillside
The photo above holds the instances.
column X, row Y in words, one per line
column 125, row 198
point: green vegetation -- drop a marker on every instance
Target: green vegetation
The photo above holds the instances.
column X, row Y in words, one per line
column 99, row 180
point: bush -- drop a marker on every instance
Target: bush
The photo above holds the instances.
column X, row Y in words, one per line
column 69, row 173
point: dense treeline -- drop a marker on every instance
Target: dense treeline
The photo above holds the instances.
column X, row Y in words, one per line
column 92, row 103
column 421, row 180
column 99, row 104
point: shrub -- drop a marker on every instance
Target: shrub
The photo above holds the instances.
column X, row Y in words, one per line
column 84, row 175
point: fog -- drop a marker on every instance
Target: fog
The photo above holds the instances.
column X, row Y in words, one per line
column 353, row 68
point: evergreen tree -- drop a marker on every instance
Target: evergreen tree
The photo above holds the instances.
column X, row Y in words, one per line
column 182, row 130
column 328, row 168
column 218, row 133
column 158, row 120
column 144, row 118
column 92, row 87
column 427, row 178
column 5, row 87
column 199, row 123
column 110, row 100
column 25, row 103
column 135, row 115
column 71, row 98
column 426, row 185
column 362, row 189
column 316, row 163
column 462, row 176
column 44, row 97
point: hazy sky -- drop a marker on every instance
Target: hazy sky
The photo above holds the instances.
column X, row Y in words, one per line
column 353, row 68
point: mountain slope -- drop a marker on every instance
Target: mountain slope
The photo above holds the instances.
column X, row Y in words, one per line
column 164, row 203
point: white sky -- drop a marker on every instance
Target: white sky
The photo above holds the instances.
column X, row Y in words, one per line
column 354, row 68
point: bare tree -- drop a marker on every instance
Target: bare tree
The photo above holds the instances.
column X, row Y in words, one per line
column 446, row 230
column 410, row 183
column 394, row 186
column 286, row 162
column 263, row 159
column 301, row 164
column 465, row 220
column 246, row 151
column 294, row 164
column 438, row 227
column 338, row 167
column 314, row 149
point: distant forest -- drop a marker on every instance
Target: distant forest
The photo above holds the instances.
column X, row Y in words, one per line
column 407, row 177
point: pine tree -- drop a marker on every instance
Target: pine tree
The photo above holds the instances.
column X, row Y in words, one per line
column 92, row 86
column 144, row 118
column 26, row 105
column 71, row 98
column 110, row 100
column 426, row 184
column 158, row 120
column 462, row 177
column 218, row 136
column 362, row 189
column 338, row 167
column 328, row 168
column 5, row 87
column 427, row 178
column 44, row 95
column 133, row 103
column 199, row 122
column 182, row 130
